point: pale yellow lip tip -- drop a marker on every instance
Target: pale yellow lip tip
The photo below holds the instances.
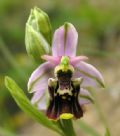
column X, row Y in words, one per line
column 66, row 116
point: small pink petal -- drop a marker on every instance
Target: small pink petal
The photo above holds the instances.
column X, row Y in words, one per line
column 65, row 41
column 77, row 59
column 89, row 73
column 85, row 93
column 40, row 77
column 53, row 60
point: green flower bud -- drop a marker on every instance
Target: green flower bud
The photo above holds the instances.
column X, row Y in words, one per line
column 38, row 34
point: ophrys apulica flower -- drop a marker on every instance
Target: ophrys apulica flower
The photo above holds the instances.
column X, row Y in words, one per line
column 60, row 84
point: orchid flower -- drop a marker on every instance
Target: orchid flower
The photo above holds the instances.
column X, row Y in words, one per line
column 60, row 84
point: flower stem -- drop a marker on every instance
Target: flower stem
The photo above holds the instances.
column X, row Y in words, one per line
column 67, row 127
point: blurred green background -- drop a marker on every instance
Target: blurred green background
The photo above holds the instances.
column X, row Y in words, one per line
column 98, row 24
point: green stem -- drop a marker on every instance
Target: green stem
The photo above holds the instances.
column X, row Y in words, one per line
column 58, row 123
column 67, row 127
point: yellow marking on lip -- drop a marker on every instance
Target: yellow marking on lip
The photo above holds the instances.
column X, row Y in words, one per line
column 62, row 92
